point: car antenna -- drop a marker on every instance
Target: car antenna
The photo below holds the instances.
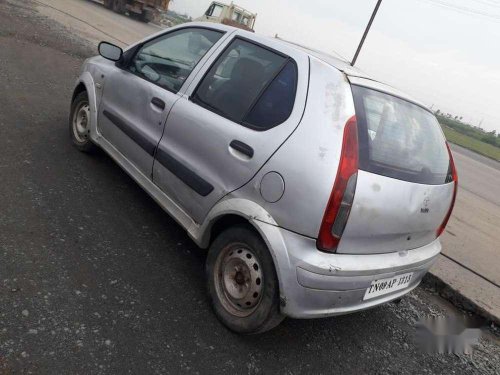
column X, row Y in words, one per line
column 366, row 32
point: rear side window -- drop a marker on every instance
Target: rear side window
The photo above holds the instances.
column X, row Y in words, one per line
column 250, row 85
column 276, row 103
column 399, row 139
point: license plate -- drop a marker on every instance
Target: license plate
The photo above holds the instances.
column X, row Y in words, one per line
column 391, row 284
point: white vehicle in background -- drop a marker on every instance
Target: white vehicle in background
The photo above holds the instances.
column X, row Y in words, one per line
column 232, row 15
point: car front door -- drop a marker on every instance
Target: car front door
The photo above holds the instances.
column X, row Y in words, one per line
column 233, row 117
column 138, row 97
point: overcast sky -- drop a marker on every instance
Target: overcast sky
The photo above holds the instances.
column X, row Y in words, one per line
column 443, row 56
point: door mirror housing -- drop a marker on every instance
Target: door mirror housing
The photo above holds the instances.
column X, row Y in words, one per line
column 110, row 51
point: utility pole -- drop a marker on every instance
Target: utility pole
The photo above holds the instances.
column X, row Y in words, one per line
column 366, row 32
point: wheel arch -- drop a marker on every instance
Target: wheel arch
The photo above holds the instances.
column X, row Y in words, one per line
column 80, row 87
column 86, row 83
column 220, row 223
column 237, row 211
column 229, row 211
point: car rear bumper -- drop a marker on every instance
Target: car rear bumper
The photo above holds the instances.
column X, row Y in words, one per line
column 315, row 284
column 317, row 295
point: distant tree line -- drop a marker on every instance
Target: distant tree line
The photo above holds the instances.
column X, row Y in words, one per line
column 456, row 123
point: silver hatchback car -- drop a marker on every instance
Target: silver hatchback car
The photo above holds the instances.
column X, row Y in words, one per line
column 318, row 190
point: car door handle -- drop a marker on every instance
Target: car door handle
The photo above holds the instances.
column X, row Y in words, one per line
column 242, row 147
column 157, row 102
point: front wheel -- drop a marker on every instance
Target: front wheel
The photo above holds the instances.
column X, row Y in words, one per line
column 242, row 282
column 79, row 123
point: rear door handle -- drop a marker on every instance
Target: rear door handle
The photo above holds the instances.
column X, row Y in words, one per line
column 242, row 147
column 157, row 102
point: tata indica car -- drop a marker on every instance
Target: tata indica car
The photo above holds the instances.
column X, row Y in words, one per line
column 317, row 190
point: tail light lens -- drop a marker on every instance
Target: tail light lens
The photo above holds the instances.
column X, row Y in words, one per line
column 452, row 176
column 340, row 202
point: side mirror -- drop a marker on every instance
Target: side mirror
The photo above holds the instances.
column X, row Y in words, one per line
column 110, row 51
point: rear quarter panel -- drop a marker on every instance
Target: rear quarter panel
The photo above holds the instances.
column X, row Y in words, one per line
column 308, row 160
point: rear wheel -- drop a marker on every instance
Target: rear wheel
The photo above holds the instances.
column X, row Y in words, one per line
column 79, row 123
column 242, row 282
column 145, row 16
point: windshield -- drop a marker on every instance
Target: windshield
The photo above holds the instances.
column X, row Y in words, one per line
column 399, row 139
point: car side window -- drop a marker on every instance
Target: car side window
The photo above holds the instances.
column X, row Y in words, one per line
column 215, row 10
column 249, row 84
column 276, row 103
column 168, row 60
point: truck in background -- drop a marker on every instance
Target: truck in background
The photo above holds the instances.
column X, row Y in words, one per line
column 144, row 10
column 231, row 14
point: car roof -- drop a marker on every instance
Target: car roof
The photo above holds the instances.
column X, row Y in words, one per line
column 355, row 75
column 337, row 62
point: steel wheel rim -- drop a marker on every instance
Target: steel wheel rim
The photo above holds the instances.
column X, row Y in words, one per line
column 238, row 280
column 81, row 122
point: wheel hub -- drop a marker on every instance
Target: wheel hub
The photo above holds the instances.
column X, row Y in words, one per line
column 81, row 122
column 240, row 280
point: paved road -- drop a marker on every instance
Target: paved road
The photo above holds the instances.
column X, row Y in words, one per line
column 478, row 175
column 472, row 236
column 96, row 278
column 470, row 259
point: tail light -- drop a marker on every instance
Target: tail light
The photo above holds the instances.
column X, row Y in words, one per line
column 452, row 176
column 340, row 202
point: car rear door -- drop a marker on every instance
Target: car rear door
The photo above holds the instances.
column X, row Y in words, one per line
column 236, row 114
column 138, row 97
column 404, row 189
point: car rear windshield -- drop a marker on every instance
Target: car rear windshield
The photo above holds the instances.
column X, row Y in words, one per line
column 399, row 139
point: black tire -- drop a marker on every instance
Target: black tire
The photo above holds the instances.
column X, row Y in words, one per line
column 147, row 15
column 108, row 4
column 80, row 141
column 266, row 314
column 144, row 17
column 119, row 6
